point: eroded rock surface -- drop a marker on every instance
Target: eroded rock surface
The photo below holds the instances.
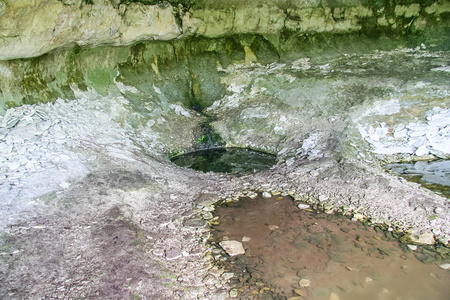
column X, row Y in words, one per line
column 32, row 28
column 91, row 206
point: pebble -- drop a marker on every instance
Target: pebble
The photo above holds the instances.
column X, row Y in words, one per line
column 358, row 216
column 323, row 198
column 158, row 252
column 173, row 254
column 304, row 206
column 266, row 195
column 334, row 296
column 207, row 215
column 314, row 173
column 426, row 238
column 14, row 166
column 445, row 266
column 252, row 195
column 232, row 247
column 301, row 292
column 234, row 293
column 273, row 227
column 227, row 276
column 246, row 239
column 209, row 280
column 304, row 282
column 412, row 247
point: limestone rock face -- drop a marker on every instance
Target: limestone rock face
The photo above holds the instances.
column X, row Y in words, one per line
column 29, row 29
column 32, row 28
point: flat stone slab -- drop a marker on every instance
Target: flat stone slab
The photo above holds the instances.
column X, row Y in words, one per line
column 233, row 248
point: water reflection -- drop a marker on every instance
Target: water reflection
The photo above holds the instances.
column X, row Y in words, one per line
column 434, row 175
column 226, row 160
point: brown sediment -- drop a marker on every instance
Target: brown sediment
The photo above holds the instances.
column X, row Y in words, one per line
column 292, row 252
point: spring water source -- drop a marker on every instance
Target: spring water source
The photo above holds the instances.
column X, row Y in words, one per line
column 298, row 253
column 434, row 175
column 226, row 160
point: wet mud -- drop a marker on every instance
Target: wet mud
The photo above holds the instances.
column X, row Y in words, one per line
column 292, row 252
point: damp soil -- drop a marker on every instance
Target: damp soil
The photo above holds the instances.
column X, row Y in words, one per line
column 291, row 252
column 226, row 160
column 434, row 175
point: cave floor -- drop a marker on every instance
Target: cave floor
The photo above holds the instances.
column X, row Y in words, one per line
column 88, row 212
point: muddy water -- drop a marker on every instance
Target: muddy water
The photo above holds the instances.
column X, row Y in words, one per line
column 292, row 252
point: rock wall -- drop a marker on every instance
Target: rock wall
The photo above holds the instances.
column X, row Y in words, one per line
column 32, row 28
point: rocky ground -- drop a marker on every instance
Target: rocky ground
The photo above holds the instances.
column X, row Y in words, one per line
column 91, row 206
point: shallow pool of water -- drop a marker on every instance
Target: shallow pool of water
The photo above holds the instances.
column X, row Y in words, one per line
column 226, row 160
column 434, row 175
column 292, row 252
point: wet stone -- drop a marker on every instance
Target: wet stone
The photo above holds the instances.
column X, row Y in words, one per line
column 304, row 282
column 334, row 296
column 301, row 292
column 233, row 248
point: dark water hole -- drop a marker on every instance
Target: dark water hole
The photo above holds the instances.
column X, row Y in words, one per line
column 291, row 252
column 434, row 175
column 226, row 160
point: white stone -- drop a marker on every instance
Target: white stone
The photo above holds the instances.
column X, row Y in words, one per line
column 266, row 195
column 412, row 247
column 314, row 173
column 273, row 227
column 14, row 166
column 252, row 195
column 445, row 266
column 232, row 247
column 426, row 238
column 305, row 282
column 422, row 150
column 246, row 239
column 323, row 198
column 64, row 185
column 304, row 206
column 358, row 216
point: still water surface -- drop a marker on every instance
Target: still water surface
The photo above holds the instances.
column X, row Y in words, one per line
column 434, row 175
column 336, row 257
column 226, row 160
